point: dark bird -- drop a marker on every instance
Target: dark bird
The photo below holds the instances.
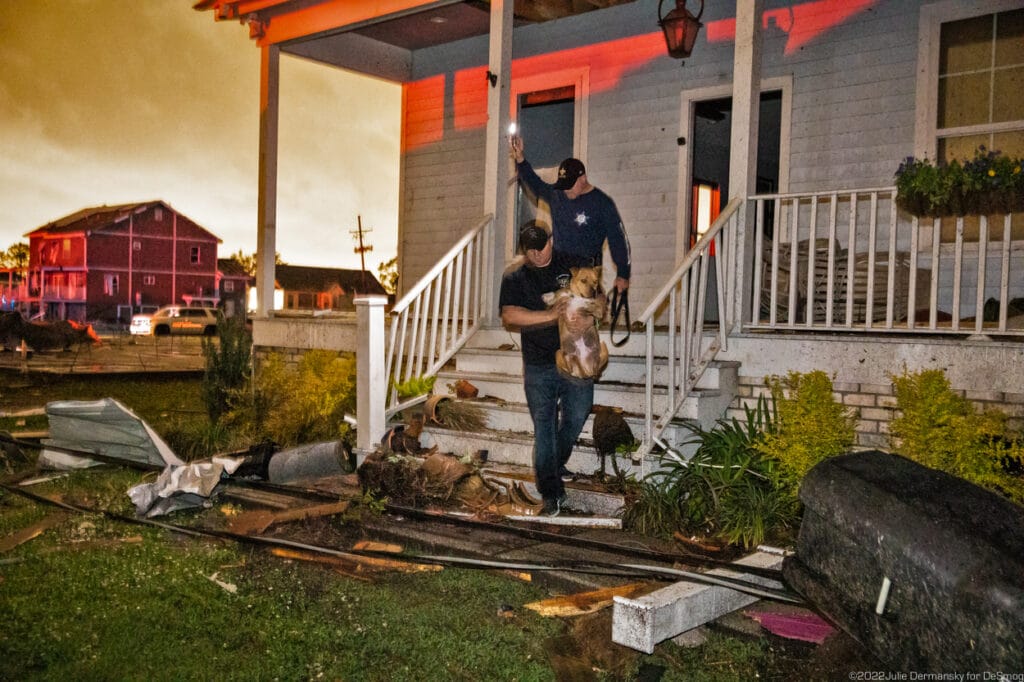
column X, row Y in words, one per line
column 610, row 433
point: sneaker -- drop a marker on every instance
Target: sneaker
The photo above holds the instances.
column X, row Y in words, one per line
column 565, row 474
column 551, row 507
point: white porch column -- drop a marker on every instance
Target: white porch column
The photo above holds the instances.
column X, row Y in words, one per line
column 371, row 383
column 746, row 102
column 497, row 167
column 266, row 220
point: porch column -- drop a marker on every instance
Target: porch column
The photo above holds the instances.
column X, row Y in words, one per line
column 497, row 167
column 266, row 235
column 746, row 102
column 371, row 382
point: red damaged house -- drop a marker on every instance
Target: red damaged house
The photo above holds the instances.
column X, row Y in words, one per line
column 105, row 263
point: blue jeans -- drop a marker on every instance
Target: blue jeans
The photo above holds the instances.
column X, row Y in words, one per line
column 559, row 406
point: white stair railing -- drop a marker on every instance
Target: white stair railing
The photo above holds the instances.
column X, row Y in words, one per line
column 439, row 313
column 680, row 305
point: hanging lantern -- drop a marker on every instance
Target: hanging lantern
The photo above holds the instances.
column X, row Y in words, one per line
column 680, row 28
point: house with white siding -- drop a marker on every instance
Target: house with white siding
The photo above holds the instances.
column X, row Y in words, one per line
column 755, row 179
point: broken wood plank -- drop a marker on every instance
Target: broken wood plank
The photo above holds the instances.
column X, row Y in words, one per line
column 259, row 520
column 356, row 562
column 371, row 546
column 581, row 603
column 261, row 497
column 578, row 521
column 22, row 536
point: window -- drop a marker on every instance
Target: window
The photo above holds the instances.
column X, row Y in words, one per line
column 229, row 286
column 149, row 280
column 193, row 255
column 67, row 246
column 111, row 285
column 971, row 66
column 158, row 214
column 137, row 245
column 980, row 78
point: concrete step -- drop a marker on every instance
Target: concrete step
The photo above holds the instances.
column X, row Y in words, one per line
column 621, row 369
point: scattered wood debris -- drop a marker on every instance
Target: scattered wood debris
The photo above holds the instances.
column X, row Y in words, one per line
column 22, row 536
column 588, row 602
column 355, row 565
column 257, row 521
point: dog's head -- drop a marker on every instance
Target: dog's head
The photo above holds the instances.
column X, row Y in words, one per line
column 585, row 282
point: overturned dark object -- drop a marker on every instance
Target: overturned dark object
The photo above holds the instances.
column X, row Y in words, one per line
column 923, row 568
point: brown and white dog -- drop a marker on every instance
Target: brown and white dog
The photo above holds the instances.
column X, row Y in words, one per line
column 582, row 353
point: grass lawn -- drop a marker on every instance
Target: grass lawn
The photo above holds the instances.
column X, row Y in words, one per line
column 94, row 598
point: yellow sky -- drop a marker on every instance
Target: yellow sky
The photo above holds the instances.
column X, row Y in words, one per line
column 118, row 101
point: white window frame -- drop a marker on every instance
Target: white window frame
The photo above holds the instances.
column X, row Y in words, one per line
column 229, row 286
column 111, row 284
column 932, row 17
column 195, row 255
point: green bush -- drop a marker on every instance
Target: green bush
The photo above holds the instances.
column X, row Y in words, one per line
column 810, row 426
column 228, row 365
column 301, row 405
column 939, row 428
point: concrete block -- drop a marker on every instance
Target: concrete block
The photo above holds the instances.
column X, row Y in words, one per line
column 644, row 622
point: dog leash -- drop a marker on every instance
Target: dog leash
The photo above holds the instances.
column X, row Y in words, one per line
column 618, row 305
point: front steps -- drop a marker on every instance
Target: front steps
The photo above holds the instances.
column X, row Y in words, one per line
column 493, row 364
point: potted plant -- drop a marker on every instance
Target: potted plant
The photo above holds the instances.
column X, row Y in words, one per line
column 991, row 182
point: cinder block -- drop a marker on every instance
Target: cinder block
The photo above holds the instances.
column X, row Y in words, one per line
column 644, row 622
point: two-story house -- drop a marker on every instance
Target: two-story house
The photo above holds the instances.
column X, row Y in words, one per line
column 108, row 261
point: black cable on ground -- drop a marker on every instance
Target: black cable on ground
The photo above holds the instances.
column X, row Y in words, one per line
column 623, row 570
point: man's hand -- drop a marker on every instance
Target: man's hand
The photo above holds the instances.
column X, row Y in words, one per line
column 516, row 149
column 621, row 284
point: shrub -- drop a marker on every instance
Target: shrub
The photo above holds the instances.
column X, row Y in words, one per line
column 939, row 428
column 228, row 365
column 726, row 490
column 810, row 426
column 301, row 405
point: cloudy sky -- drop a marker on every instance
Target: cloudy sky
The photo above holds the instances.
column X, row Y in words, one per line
column 119, row 101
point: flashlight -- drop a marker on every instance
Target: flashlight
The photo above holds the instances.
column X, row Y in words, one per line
column 511, row 128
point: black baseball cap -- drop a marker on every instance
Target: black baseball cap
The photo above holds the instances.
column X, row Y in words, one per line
column 533, row 236
column 568, row 172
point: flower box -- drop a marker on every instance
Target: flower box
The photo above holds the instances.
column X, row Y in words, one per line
column 990, row 183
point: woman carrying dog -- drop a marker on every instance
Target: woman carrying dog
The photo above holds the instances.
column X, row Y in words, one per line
column 583, row 216
column 558, row 404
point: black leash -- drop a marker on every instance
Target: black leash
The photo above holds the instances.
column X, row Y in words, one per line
column 618, row 305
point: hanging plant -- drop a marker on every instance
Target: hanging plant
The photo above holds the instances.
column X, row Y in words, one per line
column 989, row 183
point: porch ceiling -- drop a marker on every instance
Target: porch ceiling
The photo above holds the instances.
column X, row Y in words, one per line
column 326, row 31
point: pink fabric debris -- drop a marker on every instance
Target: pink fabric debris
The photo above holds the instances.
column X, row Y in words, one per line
column 804, row 625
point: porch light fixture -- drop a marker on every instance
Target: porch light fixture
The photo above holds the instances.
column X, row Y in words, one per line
column 680, row 28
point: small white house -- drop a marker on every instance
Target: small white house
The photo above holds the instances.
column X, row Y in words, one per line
column 755, row 179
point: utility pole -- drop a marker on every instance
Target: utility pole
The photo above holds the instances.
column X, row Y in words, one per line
column 362, row 248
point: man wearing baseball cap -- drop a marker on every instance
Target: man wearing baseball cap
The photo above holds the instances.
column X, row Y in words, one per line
column 558, row 404
column 583, row 216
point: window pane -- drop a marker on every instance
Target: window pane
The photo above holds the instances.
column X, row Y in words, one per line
column 963, row 100
column 966, row 45
column 1007, row 97
column 1010, row 38
column 1010, row 143
column 961, row 148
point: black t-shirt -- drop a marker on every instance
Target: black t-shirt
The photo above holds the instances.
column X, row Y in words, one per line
column 524, row 287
